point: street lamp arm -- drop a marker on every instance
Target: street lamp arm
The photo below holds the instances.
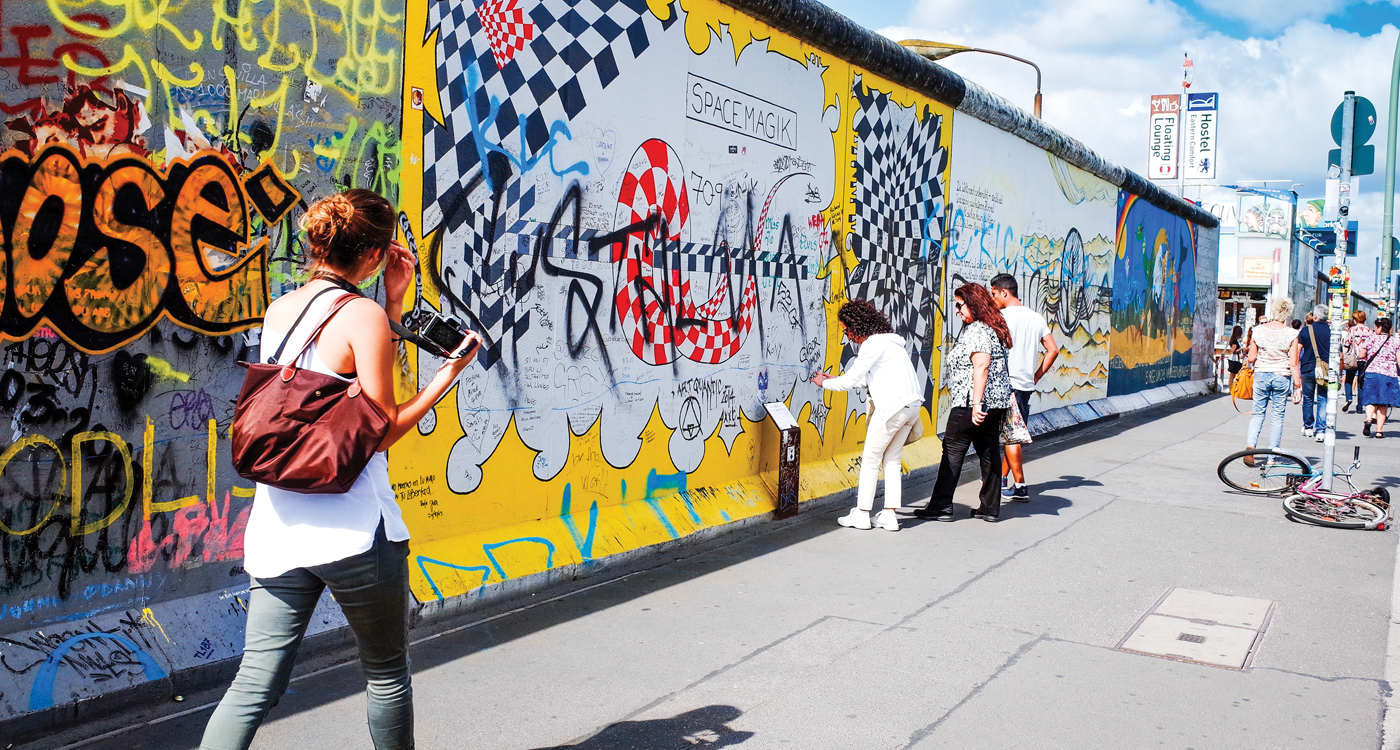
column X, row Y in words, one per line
column 1013, row 57
column 939, row 50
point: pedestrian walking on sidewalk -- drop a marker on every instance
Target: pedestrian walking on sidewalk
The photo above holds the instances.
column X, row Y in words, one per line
column 1381, row 391
column 1235, row 353
column 893, row 398
column 1029, row 334
column 1353, row 366
column 980, row 388
column 356, row 542
column 1314, row 350
column 1273, row 350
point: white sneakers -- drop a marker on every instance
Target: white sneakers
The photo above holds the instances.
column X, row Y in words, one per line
column 856, row 519
column 1307, row 432
column 859, row 519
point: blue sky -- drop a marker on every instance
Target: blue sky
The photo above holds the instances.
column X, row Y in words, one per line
column 1280, row 67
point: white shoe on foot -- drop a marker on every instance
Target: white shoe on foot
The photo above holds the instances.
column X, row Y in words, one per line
column 887, row 520
column 856, row 519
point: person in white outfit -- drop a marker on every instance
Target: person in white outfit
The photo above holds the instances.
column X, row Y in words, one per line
column 884, row 368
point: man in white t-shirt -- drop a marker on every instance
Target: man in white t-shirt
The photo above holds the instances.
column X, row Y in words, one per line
column 1028, row 333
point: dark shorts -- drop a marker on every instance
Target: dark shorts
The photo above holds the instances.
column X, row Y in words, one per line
column 1235, row 366
column 1023, row 400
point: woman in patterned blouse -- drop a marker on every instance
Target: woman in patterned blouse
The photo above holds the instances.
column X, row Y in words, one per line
column 980, row 385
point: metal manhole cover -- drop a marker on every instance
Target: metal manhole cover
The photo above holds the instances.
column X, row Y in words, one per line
column 1201, row 627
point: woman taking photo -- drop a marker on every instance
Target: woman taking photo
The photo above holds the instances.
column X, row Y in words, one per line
column 1273, row 350
column 882, row 366
column 980, row 387
column 355, row 543
column 1381, row 390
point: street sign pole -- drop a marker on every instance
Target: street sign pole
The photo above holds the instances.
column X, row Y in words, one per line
column 1337, row 297
column 1391, row 291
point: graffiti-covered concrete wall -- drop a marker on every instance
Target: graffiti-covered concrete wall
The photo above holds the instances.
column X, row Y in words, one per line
column 651, row 211
column 1021, row 210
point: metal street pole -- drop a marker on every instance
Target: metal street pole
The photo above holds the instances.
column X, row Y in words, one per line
column 1337, row 299
column 1387, row 219
column 1181, row 127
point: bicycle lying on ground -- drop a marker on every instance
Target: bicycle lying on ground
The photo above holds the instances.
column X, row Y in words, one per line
column 1283, row 473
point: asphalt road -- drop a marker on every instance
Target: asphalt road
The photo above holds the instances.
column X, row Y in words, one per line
column 966, row 635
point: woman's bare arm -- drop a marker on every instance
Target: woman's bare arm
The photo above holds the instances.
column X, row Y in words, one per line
column 373, row 350
column 981, row 366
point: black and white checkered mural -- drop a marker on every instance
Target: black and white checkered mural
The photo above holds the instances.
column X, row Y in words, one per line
column 900, row 210
column 623, row 241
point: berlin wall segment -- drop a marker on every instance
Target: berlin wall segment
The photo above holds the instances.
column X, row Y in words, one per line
column 650, row 211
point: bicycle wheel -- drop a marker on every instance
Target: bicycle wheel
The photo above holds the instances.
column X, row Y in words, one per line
column 1337, row 512
column 1260, row 471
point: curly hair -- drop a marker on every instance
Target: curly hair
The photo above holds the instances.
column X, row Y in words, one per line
column 1279, row 309
column 862, row 319
column 343, row 229
column 984, row 310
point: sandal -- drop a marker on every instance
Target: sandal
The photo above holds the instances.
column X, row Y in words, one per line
column 1367, row 429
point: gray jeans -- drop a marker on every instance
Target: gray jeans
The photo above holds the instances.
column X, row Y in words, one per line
column 372, row 590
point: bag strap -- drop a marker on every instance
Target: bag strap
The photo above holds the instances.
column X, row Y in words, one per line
column 1312, row 334
column 275, row 358
column 316, row 333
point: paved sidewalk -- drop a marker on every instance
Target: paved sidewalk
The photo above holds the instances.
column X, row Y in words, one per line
column 966, row 635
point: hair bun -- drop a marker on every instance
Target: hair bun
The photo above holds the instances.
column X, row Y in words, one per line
column 341, row 229
column 327, row 218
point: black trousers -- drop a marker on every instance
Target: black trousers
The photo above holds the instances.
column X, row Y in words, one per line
column 960, row 433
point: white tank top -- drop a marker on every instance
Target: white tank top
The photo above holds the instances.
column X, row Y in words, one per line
column 288, row 530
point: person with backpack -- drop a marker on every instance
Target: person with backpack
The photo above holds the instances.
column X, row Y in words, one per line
column 1381, row 390
column 1353, row 366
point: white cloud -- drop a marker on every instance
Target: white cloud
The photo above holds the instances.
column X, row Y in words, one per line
column 1102, row 59
column 1269, row 16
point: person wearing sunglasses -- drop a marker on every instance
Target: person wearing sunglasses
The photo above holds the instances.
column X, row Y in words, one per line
column 979, row 382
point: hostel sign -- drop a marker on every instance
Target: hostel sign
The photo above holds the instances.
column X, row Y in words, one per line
column 1198, row 146
column 1163, row 138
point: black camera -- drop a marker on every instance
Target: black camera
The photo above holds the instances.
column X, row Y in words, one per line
column 439, row 335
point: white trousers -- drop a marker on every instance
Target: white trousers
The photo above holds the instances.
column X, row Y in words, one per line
column 883, row 445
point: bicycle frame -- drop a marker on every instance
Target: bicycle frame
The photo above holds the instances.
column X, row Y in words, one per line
column 1310, row 490
column 1315, row 474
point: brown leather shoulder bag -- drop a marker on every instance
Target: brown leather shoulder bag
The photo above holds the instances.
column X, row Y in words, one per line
column 303, row 431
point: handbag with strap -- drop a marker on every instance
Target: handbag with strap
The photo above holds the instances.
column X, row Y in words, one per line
column 1321, row 369
column 1243, row 387
column 300, row 430
column 1013, row 427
